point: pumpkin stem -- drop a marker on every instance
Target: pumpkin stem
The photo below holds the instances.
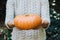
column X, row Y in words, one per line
column 27, row 14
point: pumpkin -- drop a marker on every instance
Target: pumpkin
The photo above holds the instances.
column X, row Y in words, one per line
column 26, row 22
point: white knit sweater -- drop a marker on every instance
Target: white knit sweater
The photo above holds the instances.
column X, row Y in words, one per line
column 16, row 7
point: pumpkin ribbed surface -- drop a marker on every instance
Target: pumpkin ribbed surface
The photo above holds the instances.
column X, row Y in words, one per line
column 27, row 21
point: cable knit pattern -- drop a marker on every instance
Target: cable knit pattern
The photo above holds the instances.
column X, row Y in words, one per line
column 28, row 34
column 16, row 7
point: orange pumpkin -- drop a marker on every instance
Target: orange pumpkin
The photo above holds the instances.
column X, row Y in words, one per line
column 28, row 21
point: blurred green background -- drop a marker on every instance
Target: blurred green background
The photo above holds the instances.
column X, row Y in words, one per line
column 53, row 32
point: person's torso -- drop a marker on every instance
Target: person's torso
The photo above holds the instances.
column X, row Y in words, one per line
column 32, row 7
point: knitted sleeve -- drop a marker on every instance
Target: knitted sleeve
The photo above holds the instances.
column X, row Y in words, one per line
column 45, row 10
column 9, row 11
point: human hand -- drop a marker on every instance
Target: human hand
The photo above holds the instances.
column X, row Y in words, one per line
column 10, row 24
column 45, row 24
